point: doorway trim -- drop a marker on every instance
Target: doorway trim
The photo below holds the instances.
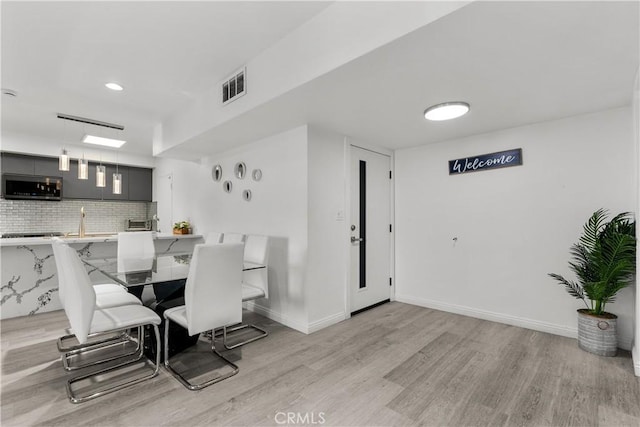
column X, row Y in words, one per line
column 348, row 143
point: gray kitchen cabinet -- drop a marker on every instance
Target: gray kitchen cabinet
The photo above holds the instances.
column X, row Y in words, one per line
column 30, row 165
column 74, row 188
column 140, row 184
column 46, row 166
column 108, row 190
column 17, row 163
column 136, row 182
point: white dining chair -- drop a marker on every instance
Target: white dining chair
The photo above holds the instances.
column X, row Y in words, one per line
column 213, row 237
column 72, row 354
column 136, row 252
column 135, row 249
column 213, row 299
column 87, row 320
column 99, row 288
column 107, row 295
column 255, row 282
column 233, row 238
column 256, row 251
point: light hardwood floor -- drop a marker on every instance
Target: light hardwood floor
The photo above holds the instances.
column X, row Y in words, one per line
column 394, row 365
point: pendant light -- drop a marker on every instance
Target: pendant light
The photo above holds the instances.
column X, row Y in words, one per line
column 83, row 168
column 101, row 176
column 117, row 183
column 117, row 179
column 63, row 161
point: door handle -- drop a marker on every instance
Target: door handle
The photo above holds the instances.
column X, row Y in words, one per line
column 356, row 239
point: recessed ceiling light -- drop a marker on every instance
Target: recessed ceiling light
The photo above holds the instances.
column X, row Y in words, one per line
column 98, row 140
column 114, row 86
column 446, row 111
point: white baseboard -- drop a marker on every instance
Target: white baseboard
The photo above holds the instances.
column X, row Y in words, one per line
column 536, row 325
column 636, row 359
column 625, row 343
column 273, row 315
column 327, row 321
column 551, row 328
column 298, row 326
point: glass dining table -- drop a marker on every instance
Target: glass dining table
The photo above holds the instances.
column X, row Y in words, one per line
column 155, row 271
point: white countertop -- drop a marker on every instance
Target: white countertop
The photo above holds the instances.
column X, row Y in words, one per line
column 91, row 237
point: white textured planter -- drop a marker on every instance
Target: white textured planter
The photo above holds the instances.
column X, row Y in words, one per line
column 597, row 334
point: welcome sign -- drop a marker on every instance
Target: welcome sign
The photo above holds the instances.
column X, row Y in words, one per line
column 501, row 159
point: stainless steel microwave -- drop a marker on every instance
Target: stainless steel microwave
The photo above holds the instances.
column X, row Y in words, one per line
column 29, row 187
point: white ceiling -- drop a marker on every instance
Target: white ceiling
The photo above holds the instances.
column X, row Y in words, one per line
column 59, row 55
column 514, row 62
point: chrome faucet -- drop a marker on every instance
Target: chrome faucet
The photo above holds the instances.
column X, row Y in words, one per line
column 81, row 228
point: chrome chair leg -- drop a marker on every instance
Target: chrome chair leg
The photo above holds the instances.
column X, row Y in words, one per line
column 79, row 399
column 242, row 326
column 122, row 339
column 179, row 376
column 75, row 348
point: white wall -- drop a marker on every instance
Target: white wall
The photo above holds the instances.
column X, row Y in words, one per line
column 327, row 258
column 278, row 209
column 296, row 203
column 513, row 225
column 636, row 134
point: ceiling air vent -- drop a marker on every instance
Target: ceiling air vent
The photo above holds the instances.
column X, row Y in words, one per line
column 234, row 86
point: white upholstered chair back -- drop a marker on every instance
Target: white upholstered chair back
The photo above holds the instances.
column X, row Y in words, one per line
column 256, row 249
column 213, row 238
column 80, row 300
column 213, row 292
column 233, row 238
column 58, row 255
column 135, row 250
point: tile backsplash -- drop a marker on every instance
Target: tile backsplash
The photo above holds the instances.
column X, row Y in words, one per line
column 32, row 216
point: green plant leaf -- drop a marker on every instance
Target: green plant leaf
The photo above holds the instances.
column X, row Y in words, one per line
column 573, row 288
column 592, row 228
column 604, row 259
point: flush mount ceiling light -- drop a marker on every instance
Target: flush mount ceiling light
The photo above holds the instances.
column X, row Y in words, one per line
column 114, row 86
column 107, row 142
column 446, row 111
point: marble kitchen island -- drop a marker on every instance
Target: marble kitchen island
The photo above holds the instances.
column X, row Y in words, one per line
column 29, row 275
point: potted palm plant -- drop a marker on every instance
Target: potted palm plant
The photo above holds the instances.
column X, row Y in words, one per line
column 604, row 261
